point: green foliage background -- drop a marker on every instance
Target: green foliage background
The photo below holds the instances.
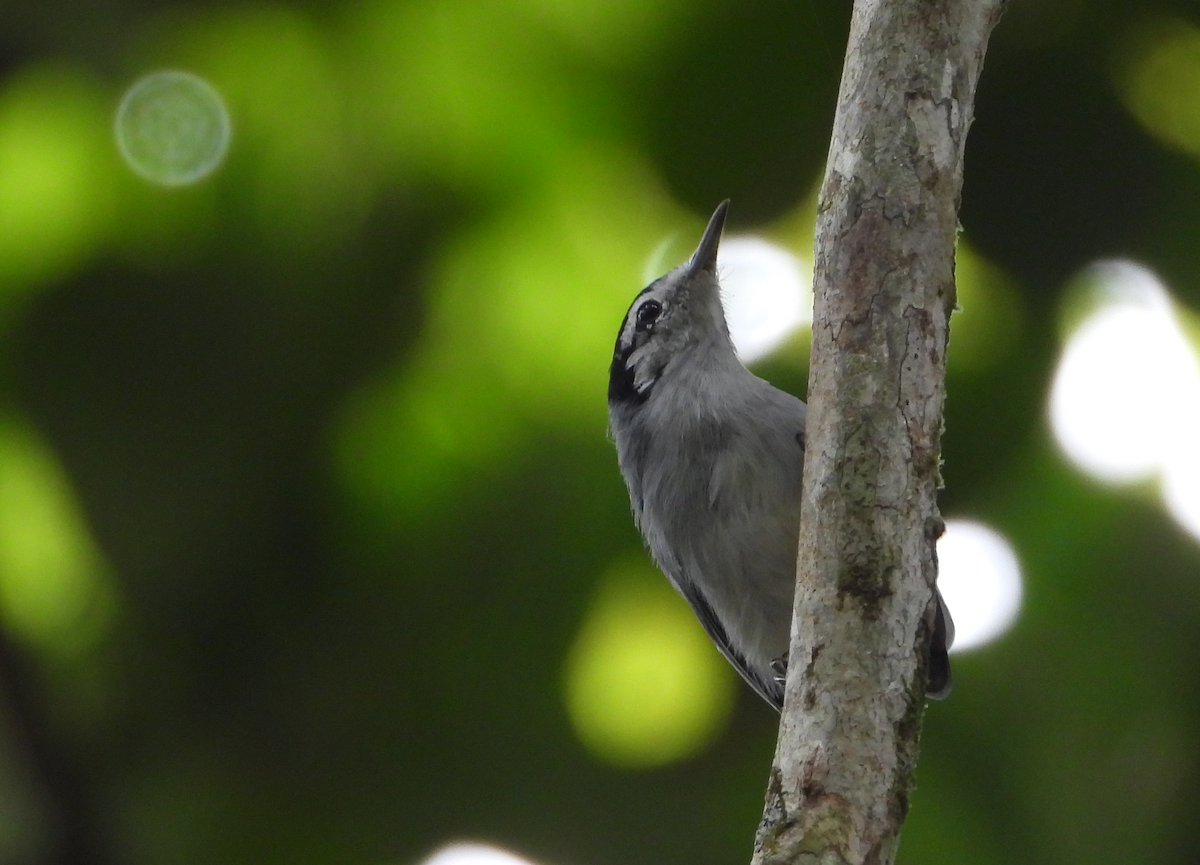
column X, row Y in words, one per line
column 321, row 440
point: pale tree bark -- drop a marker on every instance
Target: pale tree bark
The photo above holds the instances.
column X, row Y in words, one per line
column 884, row 290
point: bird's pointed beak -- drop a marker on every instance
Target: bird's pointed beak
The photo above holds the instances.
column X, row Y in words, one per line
column 705, row 256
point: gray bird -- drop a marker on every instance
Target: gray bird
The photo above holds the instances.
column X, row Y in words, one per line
column 713, row 457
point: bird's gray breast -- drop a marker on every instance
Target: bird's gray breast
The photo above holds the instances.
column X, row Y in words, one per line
column 720, row 510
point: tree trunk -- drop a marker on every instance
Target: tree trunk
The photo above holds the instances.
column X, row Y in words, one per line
column 884, row 291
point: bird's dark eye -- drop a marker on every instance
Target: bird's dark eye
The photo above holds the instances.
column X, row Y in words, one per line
column 648, row 313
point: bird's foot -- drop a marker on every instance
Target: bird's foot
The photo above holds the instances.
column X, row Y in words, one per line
column 779, row 668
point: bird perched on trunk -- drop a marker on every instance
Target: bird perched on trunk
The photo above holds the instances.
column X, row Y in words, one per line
column 713, row 457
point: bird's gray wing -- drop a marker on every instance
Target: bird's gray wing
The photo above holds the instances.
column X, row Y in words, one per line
column 769, row 689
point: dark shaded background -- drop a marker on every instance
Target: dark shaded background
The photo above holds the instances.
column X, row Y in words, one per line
column 349, row 516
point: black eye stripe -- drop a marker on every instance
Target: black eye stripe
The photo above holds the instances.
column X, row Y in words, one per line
column 635, row 329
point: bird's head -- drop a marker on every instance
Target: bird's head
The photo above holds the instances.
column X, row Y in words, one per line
column 677, row 313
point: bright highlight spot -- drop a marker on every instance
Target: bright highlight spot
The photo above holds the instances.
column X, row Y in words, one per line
column 473, row 854
column 52, row 588
column 980, row 580
column 1181, row 488
column 1126, row 395
column 767, row 293
column 172, row 128
column 644, row 685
